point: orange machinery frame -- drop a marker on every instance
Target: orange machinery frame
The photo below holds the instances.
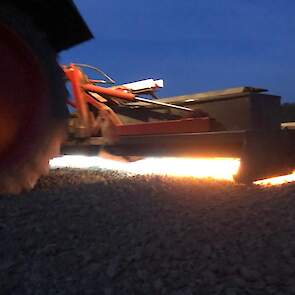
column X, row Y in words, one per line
column 82, row 87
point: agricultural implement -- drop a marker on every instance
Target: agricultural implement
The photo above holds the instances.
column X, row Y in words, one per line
column 128, row 120
column 239, row 122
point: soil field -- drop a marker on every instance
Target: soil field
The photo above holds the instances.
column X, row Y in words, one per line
column 102, row 232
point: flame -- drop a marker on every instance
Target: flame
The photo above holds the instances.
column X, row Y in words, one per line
column 217, row 168
column 277, row 180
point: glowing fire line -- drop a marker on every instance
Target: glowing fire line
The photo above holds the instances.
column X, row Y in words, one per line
column 216, row 168
column 277, row 180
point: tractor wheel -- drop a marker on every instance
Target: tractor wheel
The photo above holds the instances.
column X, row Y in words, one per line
column 33, row 111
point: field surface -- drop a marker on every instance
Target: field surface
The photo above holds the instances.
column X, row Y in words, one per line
column 103, row 232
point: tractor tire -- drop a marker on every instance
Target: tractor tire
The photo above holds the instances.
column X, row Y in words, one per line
column 33, row 112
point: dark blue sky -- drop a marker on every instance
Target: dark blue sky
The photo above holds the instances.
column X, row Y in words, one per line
column 194, row 45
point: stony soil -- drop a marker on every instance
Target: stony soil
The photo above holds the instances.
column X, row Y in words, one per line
column 100, row 232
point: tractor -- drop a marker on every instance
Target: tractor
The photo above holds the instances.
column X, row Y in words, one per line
column 128, row 120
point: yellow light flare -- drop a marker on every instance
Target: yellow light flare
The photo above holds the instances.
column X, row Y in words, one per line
column 217, row 168
column 277, row 180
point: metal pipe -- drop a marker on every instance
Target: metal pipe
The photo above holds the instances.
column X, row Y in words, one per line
column 163, row 104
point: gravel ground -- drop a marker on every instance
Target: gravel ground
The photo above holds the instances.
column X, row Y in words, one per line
column 101, row 232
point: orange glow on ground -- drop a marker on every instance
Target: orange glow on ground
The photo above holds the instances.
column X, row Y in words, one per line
column 216, row 168
column 277, row 180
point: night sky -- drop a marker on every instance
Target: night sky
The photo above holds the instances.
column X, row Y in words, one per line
column 194, row 45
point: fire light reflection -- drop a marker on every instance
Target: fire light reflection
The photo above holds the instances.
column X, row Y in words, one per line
column 215, row 168
column 277, row 180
